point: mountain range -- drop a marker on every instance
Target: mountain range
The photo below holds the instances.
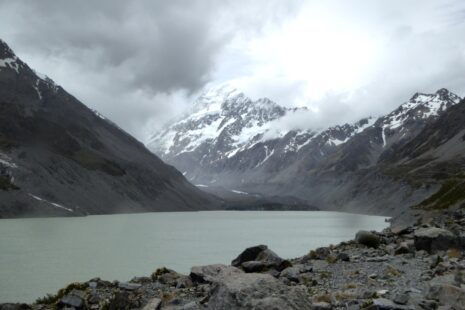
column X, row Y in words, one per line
column 60, row 158
column 229, row 142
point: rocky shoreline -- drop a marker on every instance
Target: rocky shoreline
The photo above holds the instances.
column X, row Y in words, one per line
column 417, row 266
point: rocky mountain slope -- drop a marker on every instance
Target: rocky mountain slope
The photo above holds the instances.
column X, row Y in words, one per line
column 228, row 133
column 58, row 157
column 230, row 141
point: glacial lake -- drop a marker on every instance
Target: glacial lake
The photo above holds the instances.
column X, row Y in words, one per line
column 39, row 256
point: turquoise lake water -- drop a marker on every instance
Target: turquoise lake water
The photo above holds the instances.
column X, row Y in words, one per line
column 39, row 256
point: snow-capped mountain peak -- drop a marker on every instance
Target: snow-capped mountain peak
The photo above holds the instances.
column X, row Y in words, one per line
column 421, row 106
column 415, row 112
column 8, row 59
column 230, row 133
column 220, row 116
column 11, row 64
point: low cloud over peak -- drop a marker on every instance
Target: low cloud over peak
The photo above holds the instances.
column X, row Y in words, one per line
column 140, row 63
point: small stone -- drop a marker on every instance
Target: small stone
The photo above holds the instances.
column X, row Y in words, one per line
column 71, row 301
column 381, row 293
column 190, row 306
column 291, row 273
column 428, row 304
column 414, row 290
column 367, row 294
column 184, row 282
column 401, row 299
column 93, row 299
column 153, row 304
column 377, row 259
column 353, row 307
column 386, row 304
column 343, row 257
column 459, row 277
column 129, row 286
column 321, row 306
column 403, row 248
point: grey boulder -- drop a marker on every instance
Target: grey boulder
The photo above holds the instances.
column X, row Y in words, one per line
column 434, row 239
column 71, row 301
column 212, row 273
column 448, row 294
column 261, row 253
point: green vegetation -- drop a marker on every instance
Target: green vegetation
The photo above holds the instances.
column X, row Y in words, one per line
column 312, row 254
column 159, row 272
column 331, row 259
column 92, row 161
column 6, row 185
column 450, row 193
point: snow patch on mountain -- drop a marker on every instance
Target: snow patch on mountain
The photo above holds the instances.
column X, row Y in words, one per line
column 239, row 192
column 5, row 160
column 420, row 106
column 10, row 63
column 223, row 115
column 54, row 204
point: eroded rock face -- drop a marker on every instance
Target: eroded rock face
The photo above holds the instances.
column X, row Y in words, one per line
column 435, row 239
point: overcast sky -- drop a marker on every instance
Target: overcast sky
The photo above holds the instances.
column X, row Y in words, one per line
column 142, row 62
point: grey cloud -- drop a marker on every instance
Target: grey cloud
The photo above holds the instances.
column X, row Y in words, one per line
column 137, row 62
column 159, row 45
column 141, row 62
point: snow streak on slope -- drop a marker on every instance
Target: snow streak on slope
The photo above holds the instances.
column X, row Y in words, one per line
column 419, row 108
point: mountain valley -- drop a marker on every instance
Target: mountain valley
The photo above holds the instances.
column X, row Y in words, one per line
column 230, row 142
